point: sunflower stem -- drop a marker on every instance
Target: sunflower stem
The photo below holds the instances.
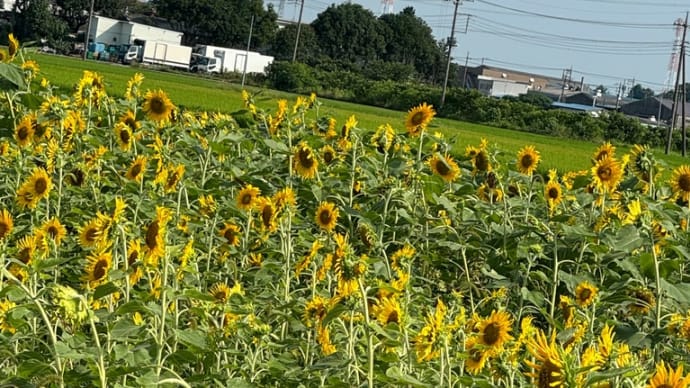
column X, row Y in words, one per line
column 554, row 278
column 164, row 309
column 101, row 362
column 370, row 339
column 657, row 278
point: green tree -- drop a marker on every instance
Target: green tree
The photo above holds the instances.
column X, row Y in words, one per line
column 283, row 46
column 33, row 20
column 409, row 41
column 640, row 92
column 669, row 94
column 350, row 33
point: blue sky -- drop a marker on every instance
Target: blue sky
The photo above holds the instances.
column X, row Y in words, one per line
column 607, row 42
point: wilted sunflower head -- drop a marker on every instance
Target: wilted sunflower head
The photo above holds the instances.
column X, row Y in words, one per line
column 12, row 46
column 643, row 300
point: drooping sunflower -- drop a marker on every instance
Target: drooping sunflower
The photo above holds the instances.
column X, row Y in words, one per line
column 481, row 161
column 231, row 233
column 553, row 194
column 383, row 138
column 680, row 182
column 585, row 292
column 54, row 230
column 35, row 188
column 418, row 118
column 476, row 356
column 667, row 377
column 268, row 212
column 246, row 198
column 328, row 153
column 643, row 300
column 6, row 224
column 137, row 169
column 12, row 46
column 527, row 160
column 327, row 216
column 132, row 91
column 26, row 249
column 24, row 132
column 388, row 310
column 487, row 194
column 494, row 331
column 606, row 150
column 130, row 120
column 607, row 174
column 220, row 292
column 174, row 177
column 92, row 233
column 134, row 264
column 157, row 105
column 154, row 241
column 305, row 162
column 98, row 265
column 285, row 197
column 445, row 167
column 548, row 361
column 123, row 135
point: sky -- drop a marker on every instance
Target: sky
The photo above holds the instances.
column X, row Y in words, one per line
column 608, row 42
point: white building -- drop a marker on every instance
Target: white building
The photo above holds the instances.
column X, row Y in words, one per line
column 115, row 32
column 497, row 87
column 8, row 4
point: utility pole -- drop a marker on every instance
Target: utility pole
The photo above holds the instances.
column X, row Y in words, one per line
column 246, row 57
column 88, row 30
column 685, row 97
column 464, row 74
column 299, row 29
column 451, row 40
column 681, row 65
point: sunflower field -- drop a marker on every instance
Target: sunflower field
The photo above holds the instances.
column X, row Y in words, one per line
column 144, row 245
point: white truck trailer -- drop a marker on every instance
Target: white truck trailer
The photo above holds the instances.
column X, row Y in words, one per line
column 213, row 59
column 160, row 53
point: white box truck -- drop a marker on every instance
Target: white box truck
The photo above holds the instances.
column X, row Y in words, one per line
column 160, row 53
column 213, row 59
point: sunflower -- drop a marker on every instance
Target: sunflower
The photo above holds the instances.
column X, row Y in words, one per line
column 327, row 216
column 305, row 162
column 231, row 233
column 486, row 193
column 220, row 292
column 553, row 194
column 476, row 356
column 247, row 197
column 130, row 120
column 643, row 300
column 134, row 261
column 207, row 205
column 328, row 154
column 418, row 118
column 157, row 106
column 285, row 197
column 585, row 292
column 323, row 337
column 494, row 331
column 92, row 232
column 26, row 249
column 383, row 138
column 445, row 167
column 5, row 307
column 548, row 363
column 267, row 211
column 481, row 161
column 155, row 236
column 35, row 188
column 607, row 174
column 388, row 310
column 666, row 377
column 97, row 267
column 174, row 177
column 31, row 67
column 24, row 132
column 137, row 169
column 527, row 160
column 132, row 91
column 123, row 134
column 55, row 230
column 6, row 224
column 12, row 46
column 680, row 182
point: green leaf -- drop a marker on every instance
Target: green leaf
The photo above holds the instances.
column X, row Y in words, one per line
column 191, row 337
column 105, row 290
column 627, row 240
column 277, row 146
column 333, row 313
column 13, row 74
column 680, row 292
column 402, row 378
column 124, row 328
column 647, row 265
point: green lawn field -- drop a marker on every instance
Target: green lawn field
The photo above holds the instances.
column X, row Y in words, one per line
column 194, row 91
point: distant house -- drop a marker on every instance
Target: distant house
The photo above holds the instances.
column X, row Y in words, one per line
column 497, row 87
column 605, row 101
column 472, row 76
column 654, row 107
column 589, row 109
column 113, row 31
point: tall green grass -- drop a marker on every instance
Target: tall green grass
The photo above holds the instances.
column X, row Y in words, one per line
column 194, row 91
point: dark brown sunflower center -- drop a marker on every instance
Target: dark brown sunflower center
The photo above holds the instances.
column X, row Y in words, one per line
column 548, row 375
column 136, row 170
column 585, row 294
column 665, row 386
column 99, row 269
column 172, row 180
column 4, row 229
column 684, row 182
column 23, row 133
column 24, row 255
column 41, row 186
column 325, row 217
column 152, row 235
column 267, row 215
column 230, row 235
column 393, row 317
column 604, row 173
column 526, row 161
column 328, row 156
column 246, row 199
column 124, row 136
column 157, row 105
column 601, row 155
column 92, row 234
column 417, row 118
column 481, row 161
column 131, row 122
column 442, row 168
column 132, row 258
column 492, row 334
column 52, row 231
column 553, row 193
column 305, row 158
column 220, row 295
